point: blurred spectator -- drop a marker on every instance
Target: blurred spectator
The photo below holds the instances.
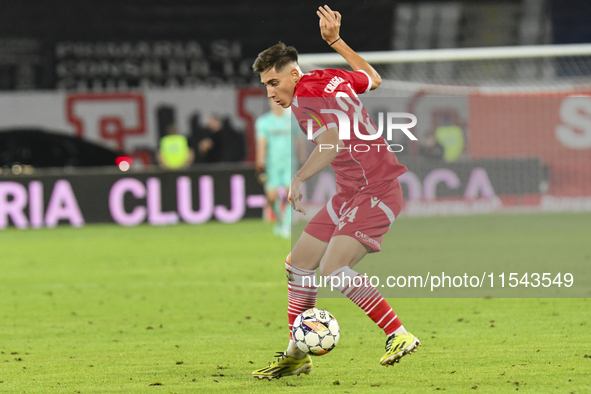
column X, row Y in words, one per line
column 211, row 147
column 235, row 149
column 451, row 138
column 222, row 142
column 165, row 116
column 174, row 150
column 198, row 134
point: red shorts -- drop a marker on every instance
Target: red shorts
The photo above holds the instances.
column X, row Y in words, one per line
column 365, row 215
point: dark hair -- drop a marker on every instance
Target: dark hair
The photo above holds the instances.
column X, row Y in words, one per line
column 277, row 56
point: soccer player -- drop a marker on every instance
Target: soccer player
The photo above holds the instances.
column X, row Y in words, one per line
column 273, row 146
column 368, row 199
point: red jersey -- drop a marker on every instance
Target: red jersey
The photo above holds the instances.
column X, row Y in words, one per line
column 361, row 162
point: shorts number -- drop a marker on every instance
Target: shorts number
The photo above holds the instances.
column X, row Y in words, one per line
column 350, row 214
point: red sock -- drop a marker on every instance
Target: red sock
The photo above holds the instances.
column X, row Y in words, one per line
column 358, row 289
column 301, row 292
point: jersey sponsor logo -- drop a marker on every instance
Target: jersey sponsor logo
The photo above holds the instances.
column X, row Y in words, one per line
column 374, row 201
column 333, row 84
column 367, row 238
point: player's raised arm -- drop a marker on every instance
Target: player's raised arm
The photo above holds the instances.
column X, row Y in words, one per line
column 330, row 25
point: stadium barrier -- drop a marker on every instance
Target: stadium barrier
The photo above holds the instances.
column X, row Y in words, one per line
column 226, row 193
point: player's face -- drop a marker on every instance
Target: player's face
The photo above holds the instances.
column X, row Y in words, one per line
column 280, row 85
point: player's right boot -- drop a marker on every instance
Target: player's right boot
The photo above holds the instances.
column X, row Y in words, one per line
column 284, row 366
column 398, row 346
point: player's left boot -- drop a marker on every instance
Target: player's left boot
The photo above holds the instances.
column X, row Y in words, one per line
column 398, row 346
column 284, row 366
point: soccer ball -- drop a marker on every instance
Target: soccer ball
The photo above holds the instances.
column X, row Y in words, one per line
column 316, row 331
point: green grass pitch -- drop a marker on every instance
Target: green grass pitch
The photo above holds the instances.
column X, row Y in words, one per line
column 194, row 309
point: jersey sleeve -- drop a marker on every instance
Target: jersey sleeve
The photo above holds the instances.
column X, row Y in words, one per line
column 359, row 80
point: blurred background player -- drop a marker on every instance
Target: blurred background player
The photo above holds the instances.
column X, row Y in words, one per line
column 274, row 164
column 368, row 199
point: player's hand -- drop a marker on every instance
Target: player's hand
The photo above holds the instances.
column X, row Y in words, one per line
column 330, row 24
column 261, row 177
column 294, row 197
column 260, row 174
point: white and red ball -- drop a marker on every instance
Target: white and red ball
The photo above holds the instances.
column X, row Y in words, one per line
column 316, row 331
